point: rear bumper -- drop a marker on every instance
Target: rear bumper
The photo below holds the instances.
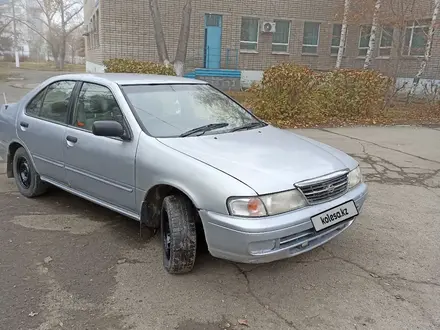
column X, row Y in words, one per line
column 276, row 237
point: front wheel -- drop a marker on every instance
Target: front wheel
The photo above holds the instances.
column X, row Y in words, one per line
column 179, row 236
column 26, row 177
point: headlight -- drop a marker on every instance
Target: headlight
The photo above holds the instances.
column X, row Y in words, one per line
column 266, row 205
column 354, row 178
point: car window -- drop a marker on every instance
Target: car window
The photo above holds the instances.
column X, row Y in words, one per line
column 33, row 108
column 96, row 102
column 56, row 102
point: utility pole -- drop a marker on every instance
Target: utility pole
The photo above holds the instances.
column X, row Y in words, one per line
column 17, row 57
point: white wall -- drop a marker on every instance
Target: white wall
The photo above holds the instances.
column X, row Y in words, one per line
column 249, row 76
column 94, row 68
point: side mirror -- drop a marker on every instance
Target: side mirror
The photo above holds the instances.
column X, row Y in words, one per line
column 108, row 128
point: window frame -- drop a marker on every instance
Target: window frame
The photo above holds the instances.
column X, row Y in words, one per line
column 310, row 45
column 44, row 90
column 333, row 36
column 415, row 24
column 360, row 38
column 247, row 42
column 73, row 112
column 288, row 38
column 380, row 41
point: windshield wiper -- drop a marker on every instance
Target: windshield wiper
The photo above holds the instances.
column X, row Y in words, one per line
column 248, row 126
column 203, row 129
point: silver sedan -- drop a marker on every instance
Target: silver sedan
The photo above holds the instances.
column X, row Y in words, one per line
column 178, row 155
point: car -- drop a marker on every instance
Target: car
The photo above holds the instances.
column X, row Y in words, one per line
column 184, row 159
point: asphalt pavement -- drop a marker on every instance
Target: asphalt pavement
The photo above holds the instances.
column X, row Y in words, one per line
column 68, row 264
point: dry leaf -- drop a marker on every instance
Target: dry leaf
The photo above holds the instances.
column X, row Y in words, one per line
column 243, row 322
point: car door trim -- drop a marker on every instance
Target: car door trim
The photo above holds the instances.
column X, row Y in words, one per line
column 48, row 160
column 98, row 201
column 94, row 177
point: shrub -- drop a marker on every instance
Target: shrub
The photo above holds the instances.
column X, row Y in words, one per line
column 290, row 95
column 353, row 93
column 120, row 65
column 286, row 94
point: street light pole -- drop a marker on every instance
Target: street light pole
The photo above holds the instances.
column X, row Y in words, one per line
column 17, row 57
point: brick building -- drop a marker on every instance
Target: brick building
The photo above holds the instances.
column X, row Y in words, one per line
column 229, row 34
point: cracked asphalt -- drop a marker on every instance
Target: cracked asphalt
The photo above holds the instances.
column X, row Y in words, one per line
column 68, row 264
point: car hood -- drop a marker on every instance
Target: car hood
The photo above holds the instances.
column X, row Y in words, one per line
column 266, row 159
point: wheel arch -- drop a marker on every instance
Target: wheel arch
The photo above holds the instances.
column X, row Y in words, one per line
column 153, row 199
column 12, row 149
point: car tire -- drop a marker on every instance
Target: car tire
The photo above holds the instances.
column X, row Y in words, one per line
column 26, row 177
column 179, row 235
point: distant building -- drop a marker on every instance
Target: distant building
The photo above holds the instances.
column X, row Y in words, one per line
column 251, row 35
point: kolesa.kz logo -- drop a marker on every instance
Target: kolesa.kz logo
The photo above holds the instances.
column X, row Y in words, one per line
column 334, row 216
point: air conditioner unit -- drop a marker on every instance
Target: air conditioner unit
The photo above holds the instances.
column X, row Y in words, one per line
column 268, row 27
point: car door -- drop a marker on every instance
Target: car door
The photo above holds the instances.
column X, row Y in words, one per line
column 41, row 126
column 101, row 167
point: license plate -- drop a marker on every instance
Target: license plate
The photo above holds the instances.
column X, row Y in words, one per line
column 335, row 215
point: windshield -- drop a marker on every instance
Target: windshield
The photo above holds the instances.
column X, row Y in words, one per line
column 173, row 110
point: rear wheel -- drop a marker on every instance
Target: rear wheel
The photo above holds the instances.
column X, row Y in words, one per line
column 178, row 233
column 26, row 178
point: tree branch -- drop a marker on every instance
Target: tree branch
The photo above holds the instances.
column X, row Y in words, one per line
column 5, row 26
column 185, row 26
column 74, row 28
column 33, row 28
column 73, row 15
column 158, row 32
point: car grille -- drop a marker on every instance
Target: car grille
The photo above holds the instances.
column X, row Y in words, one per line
column 322, row 191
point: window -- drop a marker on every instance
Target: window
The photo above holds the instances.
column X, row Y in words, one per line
column 56, row 102
column 416, row 37
column 95, row 102
column 93, row 31
column 336, row 39
column 33, row 108
column 213, row 20
column 97, row 28
column 364, row 40
column 280, row 39
column 386, row 41
column 170, row 110
column 311, row 38
column 249, row 33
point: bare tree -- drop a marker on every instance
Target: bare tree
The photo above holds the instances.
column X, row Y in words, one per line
column 182, row 46
column 76, row 45
column 343, row 39
column 373, row 34
column 429, row 41
column 60, row 19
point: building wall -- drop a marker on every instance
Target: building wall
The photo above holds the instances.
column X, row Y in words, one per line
column 93, row 49
column 126, row 31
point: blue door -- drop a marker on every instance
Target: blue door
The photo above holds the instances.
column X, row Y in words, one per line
column 213, row 41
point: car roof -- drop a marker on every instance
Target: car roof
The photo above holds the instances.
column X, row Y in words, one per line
column 130, row 78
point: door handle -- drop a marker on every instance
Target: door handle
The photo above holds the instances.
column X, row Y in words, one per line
column 24, row 124
column 71, row 139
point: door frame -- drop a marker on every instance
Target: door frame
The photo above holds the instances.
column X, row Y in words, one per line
column 206, row 60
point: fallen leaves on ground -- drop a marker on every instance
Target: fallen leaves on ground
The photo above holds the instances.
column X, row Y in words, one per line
column 397, row 114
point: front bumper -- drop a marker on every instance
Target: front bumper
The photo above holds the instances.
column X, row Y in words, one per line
column 276, row 237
